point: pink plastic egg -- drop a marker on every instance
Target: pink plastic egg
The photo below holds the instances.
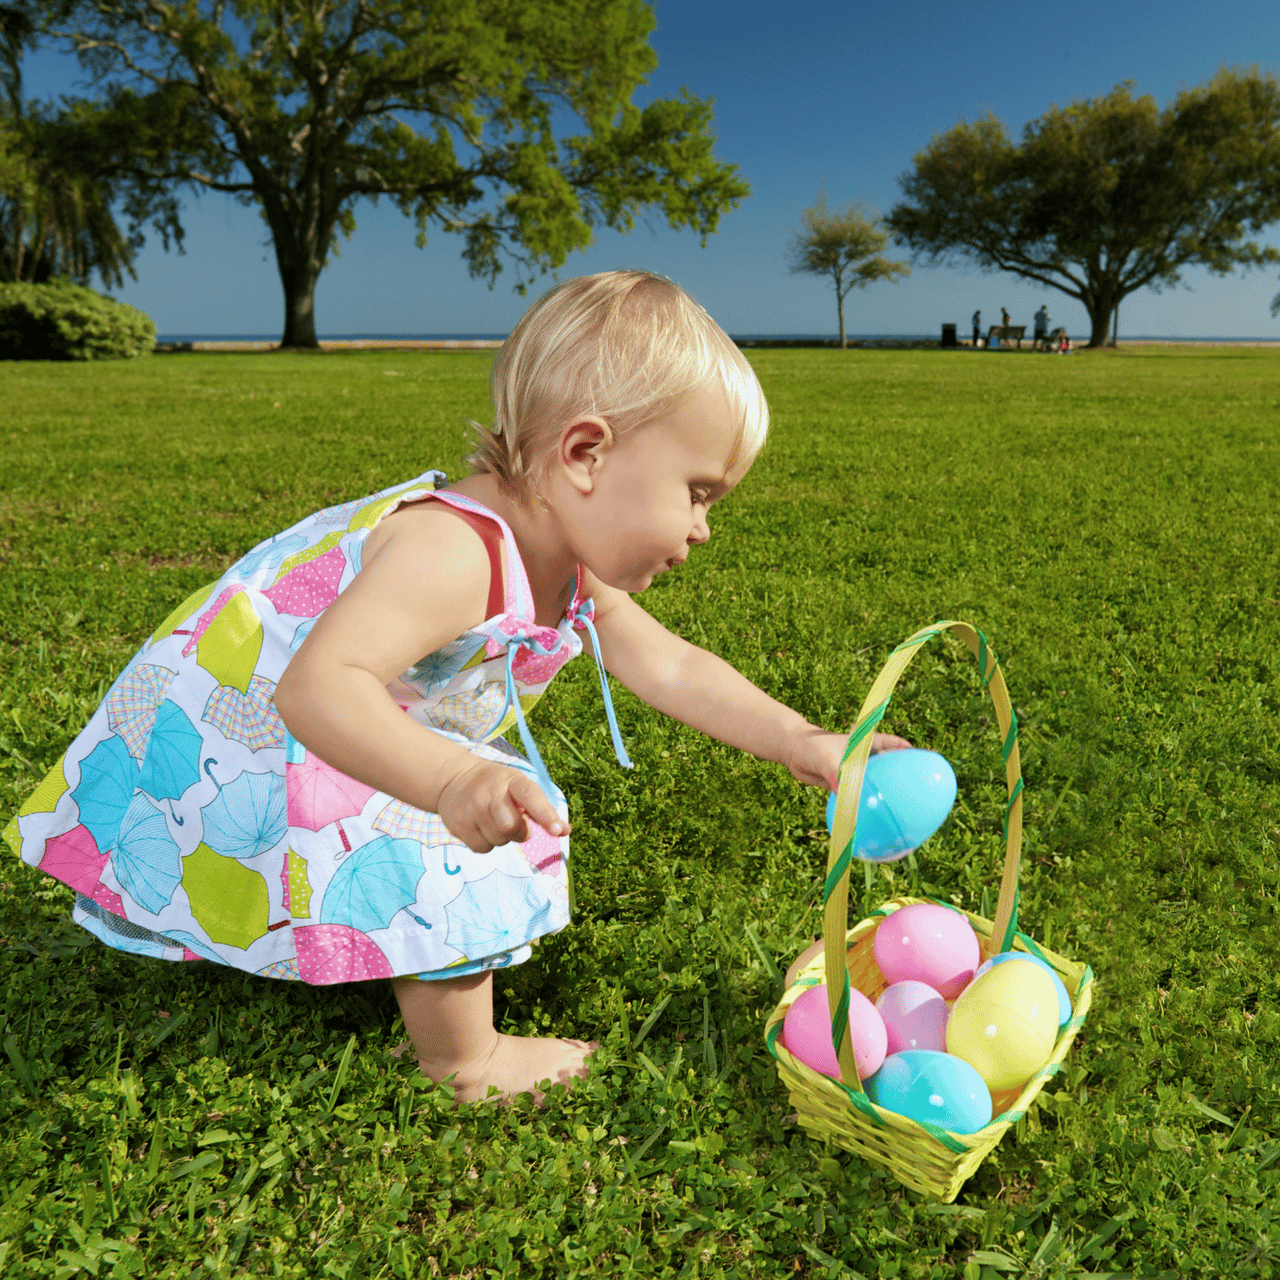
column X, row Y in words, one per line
column 806, row 1031
column 930, row 944
column 915, row 1017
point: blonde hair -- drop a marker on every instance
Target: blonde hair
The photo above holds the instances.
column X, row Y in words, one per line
column 626, row 346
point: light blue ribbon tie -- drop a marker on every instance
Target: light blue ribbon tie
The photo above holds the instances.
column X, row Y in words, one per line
column 581, row 617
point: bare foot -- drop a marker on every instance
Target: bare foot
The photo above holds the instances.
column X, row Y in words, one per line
column 514, row 1065
column 813, row 949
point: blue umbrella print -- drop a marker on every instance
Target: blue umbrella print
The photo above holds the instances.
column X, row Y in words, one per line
column 145, row 858
column 269, row 554
column 497, row 913
column 172, row 762
column 108, row 779
column 379, row 879
column 247, row 816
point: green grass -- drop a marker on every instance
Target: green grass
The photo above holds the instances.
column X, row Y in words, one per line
column 1108, row 520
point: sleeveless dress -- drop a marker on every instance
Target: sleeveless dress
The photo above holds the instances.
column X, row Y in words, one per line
column 192, row 825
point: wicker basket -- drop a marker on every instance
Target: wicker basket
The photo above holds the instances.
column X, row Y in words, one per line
column 922, row 1156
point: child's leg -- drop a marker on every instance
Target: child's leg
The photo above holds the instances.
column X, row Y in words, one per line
column 450, row 1022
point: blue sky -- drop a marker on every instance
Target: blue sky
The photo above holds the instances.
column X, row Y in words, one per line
column 813, row 96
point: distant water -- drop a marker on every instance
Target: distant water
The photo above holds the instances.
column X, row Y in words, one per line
column 754, row 337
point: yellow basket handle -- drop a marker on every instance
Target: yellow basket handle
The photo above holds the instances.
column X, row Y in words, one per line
column 835, row 915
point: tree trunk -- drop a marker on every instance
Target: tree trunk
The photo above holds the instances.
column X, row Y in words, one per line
column 299, row 271
column 1100, row 312
column 840, row 312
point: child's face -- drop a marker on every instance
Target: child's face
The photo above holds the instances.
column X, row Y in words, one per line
column 651, row 491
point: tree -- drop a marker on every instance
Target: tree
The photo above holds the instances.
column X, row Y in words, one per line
column 445, row 108
column 1106, row 196
column 846, row 246
column 62, row 171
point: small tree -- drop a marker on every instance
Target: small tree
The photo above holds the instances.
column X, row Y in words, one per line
column 846, row 246
column 1105, row 196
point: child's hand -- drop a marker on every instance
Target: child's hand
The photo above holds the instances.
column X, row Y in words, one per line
column 814, row 755
column 487, row 805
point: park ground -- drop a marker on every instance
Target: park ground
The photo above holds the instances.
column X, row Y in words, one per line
column 1108, row 521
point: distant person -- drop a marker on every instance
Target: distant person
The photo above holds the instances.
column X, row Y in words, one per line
column 1042, row 324
column 1004, row 317
column 1064, row 347
column 977, row 328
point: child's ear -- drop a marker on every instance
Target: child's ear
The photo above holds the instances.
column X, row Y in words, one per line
column 584, row 445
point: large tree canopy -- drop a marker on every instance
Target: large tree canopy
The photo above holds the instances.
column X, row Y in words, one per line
column 449, row 108
column 846, row 246
column 1106, row 196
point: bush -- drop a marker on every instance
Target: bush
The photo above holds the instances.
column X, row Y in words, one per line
column 65, row 321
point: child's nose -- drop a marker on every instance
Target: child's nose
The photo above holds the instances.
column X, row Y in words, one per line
column 701, row 530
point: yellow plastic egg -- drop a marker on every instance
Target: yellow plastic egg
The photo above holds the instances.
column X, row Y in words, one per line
column 1004, row 1024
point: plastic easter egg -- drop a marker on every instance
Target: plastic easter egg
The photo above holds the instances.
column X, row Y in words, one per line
column 906, row 796
column 915, row 1017
column 806, row 1031
column 930, row 944
column 1064, row 1000
column 923, row 1084
column 1004, row 1024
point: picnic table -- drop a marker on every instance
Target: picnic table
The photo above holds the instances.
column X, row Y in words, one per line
column 1007, row 333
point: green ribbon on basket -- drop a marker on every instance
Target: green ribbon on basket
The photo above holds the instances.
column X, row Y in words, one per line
column 835, row 915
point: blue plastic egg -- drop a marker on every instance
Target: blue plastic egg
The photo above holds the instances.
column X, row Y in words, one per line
column 1064, row 1000
column 906, row 796
column 923, row 1084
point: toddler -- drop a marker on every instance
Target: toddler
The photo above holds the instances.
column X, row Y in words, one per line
column 302, row 772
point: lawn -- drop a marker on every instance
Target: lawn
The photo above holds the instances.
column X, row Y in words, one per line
column 1109, row 520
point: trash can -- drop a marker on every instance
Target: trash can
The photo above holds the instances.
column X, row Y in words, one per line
column 948, row 335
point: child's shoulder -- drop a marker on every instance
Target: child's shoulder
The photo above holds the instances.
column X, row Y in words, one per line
column 427, row 531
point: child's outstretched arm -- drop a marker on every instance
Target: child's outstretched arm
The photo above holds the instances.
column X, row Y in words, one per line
column 705, row 692
column 423, row 583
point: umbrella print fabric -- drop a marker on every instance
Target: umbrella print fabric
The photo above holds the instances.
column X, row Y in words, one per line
column 192, row 825
column 229, row 646
column 497, row 913
column 108, row 779
column 309, row 589
column 250, row 718
column 132, row 703
column 172, row 761
column 246, row 817
column 329, row 953
column 319, row 794
column 379, row 879
column 74, row 858
column 145, row 859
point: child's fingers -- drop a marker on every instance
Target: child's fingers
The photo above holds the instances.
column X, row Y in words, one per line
column 531, row 798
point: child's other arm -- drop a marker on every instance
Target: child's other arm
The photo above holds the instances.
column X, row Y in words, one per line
column 705, row 692
column 423, row 585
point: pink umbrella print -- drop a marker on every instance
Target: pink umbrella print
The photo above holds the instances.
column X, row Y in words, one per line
column 318, row 795
column 543, row 850
column 74, row 859
column 311, row 587
column 329, row 953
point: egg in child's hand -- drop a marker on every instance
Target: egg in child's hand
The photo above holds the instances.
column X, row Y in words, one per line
column 915, row 1017
column 806, row 1032
column 1064, row 1000
column 923, row 1084
column 930, row 944
column 1005, row 1023
column 906, row 796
